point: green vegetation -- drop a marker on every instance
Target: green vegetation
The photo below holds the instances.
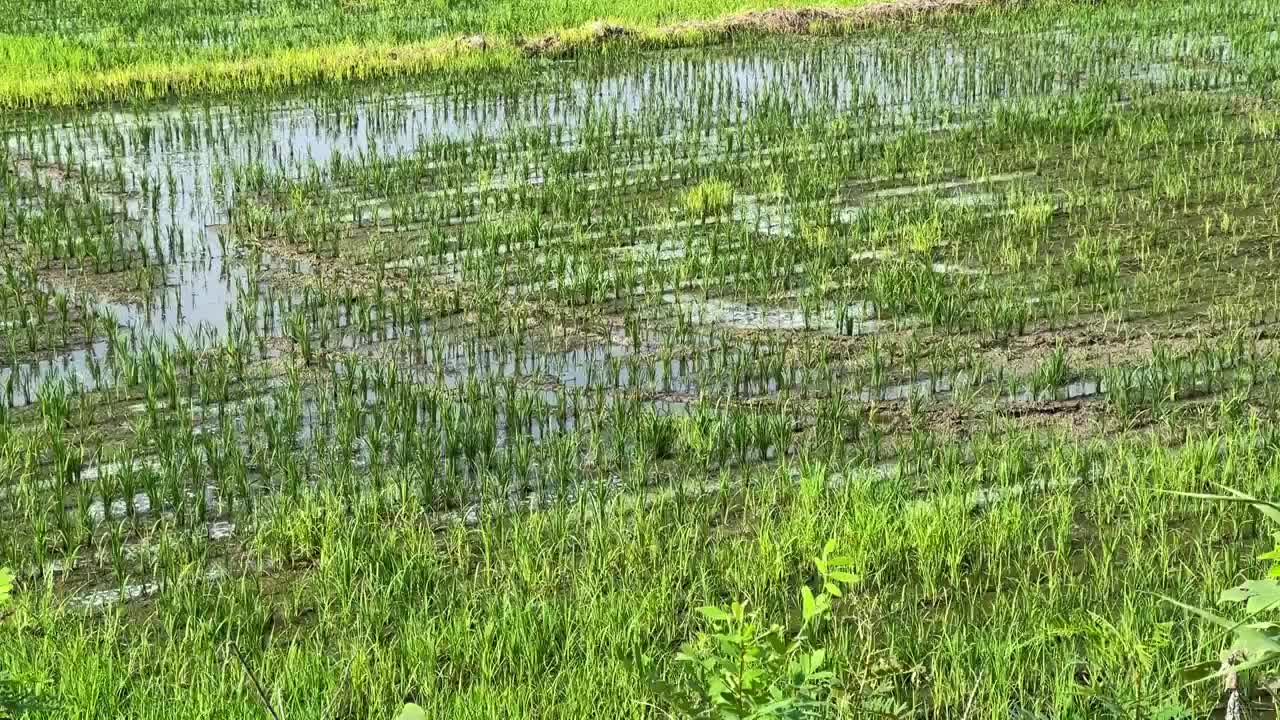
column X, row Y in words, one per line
column 1256, row 643
column 462, row 401
column 746, row 668
column 15, row 700
column 709, row 197
column 412, row 711
column 76, row 52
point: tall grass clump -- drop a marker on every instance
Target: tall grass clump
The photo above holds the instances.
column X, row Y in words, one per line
column 16, row 701
column 709, row 198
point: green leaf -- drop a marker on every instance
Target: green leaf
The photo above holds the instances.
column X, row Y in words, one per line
column 1258, row 661
column 829, row 547
column 1171, row 711
column 412, row 712
column 6, row 585
column 845, row 577
column 1258, row 595
column 816, row 659
column 671, row 695
column 714, row 614
column 1256, row 644
column 1200, row 671
column 776, row 643
column 1271, row 510
column 809, row 605
column 1215, row 619
column 1260, row 646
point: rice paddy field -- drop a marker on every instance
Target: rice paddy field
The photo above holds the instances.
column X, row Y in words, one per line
column 467, row 388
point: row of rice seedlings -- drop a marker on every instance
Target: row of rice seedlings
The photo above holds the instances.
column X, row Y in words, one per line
column 170, row 171
column 526, row 366
column 958, row 548
column 343, row 421
column 82, row 63
column 1085, row 266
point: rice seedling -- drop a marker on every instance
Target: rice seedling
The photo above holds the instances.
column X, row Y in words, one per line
column 461, row 392
column 708, row 198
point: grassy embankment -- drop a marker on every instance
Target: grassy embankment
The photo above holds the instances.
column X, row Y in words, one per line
column 79, row 52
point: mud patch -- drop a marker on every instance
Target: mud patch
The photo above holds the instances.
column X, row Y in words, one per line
column 591, row 35
column 806, row 20
column 792, row 21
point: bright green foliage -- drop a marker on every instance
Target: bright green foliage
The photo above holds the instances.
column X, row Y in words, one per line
column 1256, row 635
column 708, row 198
column 743, row 668
column 412, row 712
column 76, row 52
column 15, row 700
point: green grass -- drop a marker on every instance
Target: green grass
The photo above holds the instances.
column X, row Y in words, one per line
column 709, row 197
column 467, row 397
column 140, row 50
column 537, row 615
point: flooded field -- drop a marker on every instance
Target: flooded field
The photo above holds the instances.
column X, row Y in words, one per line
column 463, row 395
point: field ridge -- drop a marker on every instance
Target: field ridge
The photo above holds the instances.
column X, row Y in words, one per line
column 452, row 57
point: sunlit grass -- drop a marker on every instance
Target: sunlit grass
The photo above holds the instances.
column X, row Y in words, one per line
column 466, row 393
column 139, row 51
